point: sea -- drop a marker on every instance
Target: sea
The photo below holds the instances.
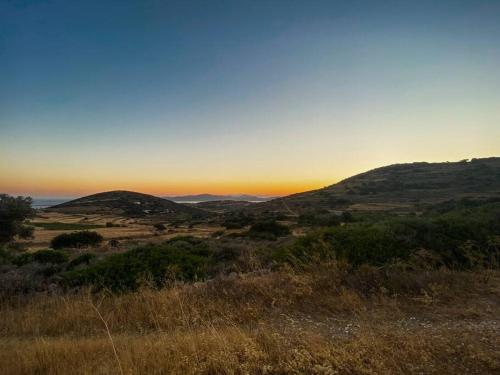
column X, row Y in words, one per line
column 47, row 202
column 39, row 203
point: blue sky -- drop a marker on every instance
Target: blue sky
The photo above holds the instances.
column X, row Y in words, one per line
column 267, row 97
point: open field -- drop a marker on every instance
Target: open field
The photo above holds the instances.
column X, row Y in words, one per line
column 66, row 226
column 50, row 224
column 321, row 322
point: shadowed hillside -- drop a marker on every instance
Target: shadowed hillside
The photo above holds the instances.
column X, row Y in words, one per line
column 127, row 203
column 400, row 187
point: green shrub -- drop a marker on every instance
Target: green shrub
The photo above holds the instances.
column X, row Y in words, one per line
column 458, row 239
column 50, row 256
column 347, row 217
column 269, row 230
column 238, row 220
column 217, row 234
column 66, row 226
column 82, row 259
column 182, row 258
column 22, row 259
column 113, row 242
column 41, row 256
column 160, row 227
column 5, row 255
column 76, row 240
column 320, row 219
column 49, row 271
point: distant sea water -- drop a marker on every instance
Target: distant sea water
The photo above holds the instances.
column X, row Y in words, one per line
column 47, row 202
column 196, row 202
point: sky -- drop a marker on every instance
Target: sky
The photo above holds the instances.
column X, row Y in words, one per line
column 261, row 97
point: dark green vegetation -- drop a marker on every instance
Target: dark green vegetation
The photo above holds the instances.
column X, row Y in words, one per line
column 238, row 220
column 400, row 188
column 13, row 212
column 243, row 218
column 130, row 204
column 268, row 230
column 160, row 227
column 76, row 240
column 42, row 256
column 84, row 259
column 324, row 218
column 182, row 258
column 462, row 238
column 67, row 226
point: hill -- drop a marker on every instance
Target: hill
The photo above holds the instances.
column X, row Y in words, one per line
column 128, row 203
column 223, row 206
column 213, row 198
column 399, row 187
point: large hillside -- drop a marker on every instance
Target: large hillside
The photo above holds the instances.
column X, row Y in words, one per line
column 400, row 187
column 127, row 203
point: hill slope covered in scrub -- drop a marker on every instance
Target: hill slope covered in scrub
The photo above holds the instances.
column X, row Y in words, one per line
column 127, row 203
column 399, row 187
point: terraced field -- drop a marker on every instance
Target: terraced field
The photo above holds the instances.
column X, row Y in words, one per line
column 50, row 224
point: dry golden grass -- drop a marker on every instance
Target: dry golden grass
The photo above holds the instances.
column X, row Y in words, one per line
column 321, row 322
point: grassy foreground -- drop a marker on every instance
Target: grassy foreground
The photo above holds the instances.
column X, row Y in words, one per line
column 330, row 321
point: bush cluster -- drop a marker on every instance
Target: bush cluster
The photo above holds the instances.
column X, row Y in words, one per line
column 81, row 259
column 268, row 230
column 41, row 256
column 237, row 220
column 458, row 239
column 159, row 227
column 324, row 218
column 182, row 258
column 76, row 240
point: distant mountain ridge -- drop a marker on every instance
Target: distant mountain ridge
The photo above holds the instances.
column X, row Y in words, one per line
column 399, row 187
column 127, row 203
column 213, row 198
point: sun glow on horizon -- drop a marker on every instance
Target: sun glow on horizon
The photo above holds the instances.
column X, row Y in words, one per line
column 264, row 98
column 65, row 190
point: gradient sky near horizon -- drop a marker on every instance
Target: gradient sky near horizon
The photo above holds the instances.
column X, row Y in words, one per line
column 263, row 97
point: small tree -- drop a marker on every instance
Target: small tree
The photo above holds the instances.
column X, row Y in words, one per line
column 13, row 212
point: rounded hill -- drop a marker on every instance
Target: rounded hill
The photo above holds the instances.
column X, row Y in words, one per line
column 127, row 203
